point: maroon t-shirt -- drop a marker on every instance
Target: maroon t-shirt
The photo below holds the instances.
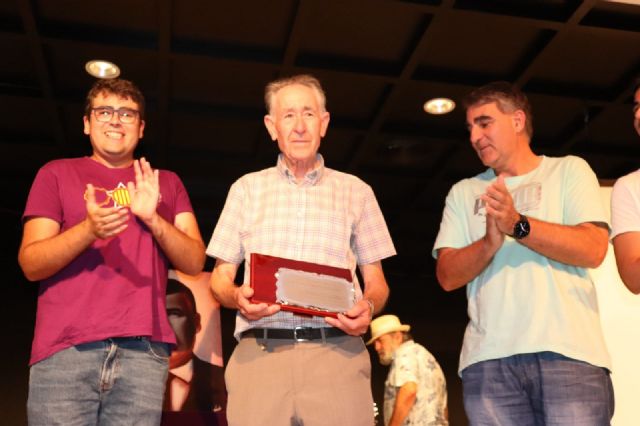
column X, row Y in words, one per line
column 116, row 287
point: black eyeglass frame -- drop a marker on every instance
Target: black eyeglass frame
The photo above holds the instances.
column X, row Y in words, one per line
column 129, row 114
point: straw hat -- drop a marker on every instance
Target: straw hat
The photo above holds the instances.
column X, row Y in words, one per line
column 385, row 324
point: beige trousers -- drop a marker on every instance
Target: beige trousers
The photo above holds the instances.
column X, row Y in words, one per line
column 303, row 384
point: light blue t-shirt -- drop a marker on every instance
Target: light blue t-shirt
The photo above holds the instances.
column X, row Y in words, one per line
column 524, row 302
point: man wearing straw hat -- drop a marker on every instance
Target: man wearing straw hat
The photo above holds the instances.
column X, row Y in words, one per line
column 415, row 391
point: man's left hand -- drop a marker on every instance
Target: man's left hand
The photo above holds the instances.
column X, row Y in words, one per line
column 499, row 205
column 355, row 321
column 145, row 193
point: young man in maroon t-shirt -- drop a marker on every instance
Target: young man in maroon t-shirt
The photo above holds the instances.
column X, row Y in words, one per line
column 99, row 235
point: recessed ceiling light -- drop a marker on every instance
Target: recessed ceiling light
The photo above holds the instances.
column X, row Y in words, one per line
column 102, row 69
column 439, row 106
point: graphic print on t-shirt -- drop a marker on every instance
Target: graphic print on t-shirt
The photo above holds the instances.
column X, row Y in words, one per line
column 526, row 198
column 119, row 195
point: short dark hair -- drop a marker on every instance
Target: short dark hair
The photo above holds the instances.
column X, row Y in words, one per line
column 115, row 86
column 507, row 97
column 176, row 287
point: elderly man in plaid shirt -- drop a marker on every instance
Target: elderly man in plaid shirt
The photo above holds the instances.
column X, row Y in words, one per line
column 304, row 211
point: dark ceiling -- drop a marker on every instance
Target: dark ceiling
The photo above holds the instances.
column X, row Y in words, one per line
column 203, row 66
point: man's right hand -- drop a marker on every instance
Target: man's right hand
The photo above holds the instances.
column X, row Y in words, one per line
column 104, row 222
column 252, row 311
column 456, row 267
column 493, row 236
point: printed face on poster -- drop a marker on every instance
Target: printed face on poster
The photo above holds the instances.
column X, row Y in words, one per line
column 195, row 385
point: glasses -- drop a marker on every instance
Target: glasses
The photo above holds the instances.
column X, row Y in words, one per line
column 126, row 115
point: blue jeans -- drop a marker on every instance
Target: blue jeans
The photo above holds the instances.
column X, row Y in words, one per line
column 117, row 381
column 543, row 388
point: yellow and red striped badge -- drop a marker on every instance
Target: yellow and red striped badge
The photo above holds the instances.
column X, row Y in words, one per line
column 120, row 196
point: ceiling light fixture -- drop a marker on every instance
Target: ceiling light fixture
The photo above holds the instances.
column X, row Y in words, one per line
column 102, row 69
column 439, row 106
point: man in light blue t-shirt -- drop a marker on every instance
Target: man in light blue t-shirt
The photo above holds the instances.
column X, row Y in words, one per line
column 520, row 236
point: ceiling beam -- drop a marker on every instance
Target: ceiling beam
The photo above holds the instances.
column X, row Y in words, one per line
column 529, row 70
column 165, row 9
column 392, row 93
column 570, row 25
column 300, row 16
column 42, row 71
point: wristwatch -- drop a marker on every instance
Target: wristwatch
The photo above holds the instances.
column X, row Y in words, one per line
column 371, row 307
column 521, row 228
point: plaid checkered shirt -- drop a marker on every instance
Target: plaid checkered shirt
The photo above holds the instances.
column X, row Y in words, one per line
column 330, row 218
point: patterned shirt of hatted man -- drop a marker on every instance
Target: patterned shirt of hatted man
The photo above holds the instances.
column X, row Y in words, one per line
column 413, row 363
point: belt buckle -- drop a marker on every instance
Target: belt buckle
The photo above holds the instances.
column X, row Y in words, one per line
column 304, row 334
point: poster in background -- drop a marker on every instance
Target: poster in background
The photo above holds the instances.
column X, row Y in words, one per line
column 195, row 392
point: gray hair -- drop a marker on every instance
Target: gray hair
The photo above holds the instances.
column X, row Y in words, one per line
column 507, row 97
column 302, row 79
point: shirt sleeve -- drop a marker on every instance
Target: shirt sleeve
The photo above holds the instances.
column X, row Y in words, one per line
column 226, row 242
column 44, row 197
column 452, row 226
column 372, row 241
column 406, row 369
column 182, row 201
column 625, row 205
column 583, row 199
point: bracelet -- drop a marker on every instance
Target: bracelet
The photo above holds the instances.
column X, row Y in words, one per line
column 371, row 307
